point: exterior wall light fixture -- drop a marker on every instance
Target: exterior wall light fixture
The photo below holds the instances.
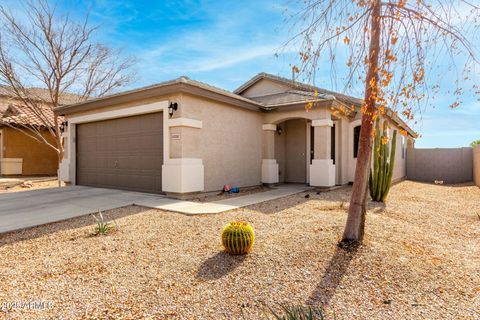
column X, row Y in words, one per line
column 171, row 108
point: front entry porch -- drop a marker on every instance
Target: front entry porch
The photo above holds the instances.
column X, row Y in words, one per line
column 299, row 151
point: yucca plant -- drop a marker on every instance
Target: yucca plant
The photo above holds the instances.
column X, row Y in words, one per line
column 102, row 226
column 381, row 175
column 238, row 237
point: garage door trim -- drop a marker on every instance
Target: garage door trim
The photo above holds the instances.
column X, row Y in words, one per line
column 69, row 163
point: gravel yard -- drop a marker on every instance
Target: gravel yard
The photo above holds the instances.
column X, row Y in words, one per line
column 420, row 260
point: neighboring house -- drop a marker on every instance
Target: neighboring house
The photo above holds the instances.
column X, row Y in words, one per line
column 20, row 154
column 185, row 136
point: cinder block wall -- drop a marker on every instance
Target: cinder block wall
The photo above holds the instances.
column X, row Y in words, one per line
column 451, row 165
column 476, row 165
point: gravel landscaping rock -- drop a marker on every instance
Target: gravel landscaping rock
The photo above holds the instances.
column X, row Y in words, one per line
column 420, row 260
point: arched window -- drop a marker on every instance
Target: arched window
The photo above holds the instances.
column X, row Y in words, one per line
column 356, row 139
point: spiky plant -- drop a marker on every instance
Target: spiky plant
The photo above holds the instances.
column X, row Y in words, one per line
column 238, row 237
column 381, row 175
column 102, row 226
column 297, row 313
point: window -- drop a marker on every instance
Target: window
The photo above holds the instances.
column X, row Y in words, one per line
column 403, row 147
column 356, row 139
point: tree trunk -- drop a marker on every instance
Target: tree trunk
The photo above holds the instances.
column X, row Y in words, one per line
column 355, row 227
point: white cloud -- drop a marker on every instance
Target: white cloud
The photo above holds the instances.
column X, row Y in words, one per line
column 203, row 58
column 223, row 41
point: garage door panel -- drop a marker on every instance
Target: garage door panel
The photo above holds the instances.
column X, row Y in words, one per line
column 125, row 153
column 87, row 144
column 104, row 143
column 147, row 164
column 139, row 183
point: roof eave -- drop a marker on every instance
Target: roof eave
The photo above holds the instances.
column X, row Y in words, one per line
column 292, row 103
column 155, row 91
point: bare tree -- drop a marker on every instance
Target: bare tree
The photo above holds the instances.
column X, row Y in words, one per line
column 391, row 46
column 48, row 50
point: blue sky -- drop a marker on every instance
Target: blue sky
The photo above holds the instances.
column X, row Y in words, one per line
column 224, row 43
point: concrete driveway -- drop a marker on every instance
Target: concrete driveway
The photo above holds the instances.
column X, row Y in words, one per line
column 25, row 209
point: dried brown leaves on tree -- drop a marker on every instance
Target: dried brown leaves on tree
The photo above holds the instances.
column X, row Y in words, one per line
column 396, row 50
column 47, row 59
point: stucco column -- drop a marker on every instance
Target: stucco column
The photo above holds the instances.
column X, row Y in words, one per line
column 181, row 173
column 67, row 167
column 476, row 165
column 322, row 169
column 269, row 163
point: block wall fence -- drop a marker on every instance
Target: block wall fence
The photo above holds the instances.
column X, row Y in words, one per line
column 450, row 165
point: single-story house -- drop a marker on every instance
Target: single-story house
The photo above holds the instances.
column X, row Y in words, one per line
column 185, row 136
column 20, row 154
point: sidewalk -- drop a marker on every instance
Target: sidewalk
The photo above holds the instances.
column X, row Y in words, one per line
column 192, row 208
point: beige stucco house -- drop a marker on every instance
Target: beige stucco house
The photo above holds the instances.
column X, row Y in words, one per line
column 184, row 136
column 20, row 153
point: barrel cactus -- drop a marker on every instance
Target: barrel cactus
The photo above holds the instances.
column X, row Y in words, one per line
column 383, row 165
column 238, row 237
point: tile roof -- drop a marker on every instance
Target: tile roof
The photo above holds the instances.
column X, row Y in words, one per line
column 12, row 111
column 349, row 100
column 161, row 85
column 21, row 115
column 300, row 92
column 290, row 97
column 41, row 95
column 302, row 87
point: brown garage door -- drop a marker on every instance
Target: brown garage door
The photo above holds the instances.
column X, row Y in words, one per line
column 125, row 153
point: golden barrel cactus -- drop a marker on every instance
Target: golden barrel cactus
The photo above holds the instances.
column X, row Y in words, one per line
column 238, row 237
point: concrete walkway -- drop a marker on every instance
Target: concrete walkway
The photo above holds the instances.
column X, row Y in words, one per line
column 19, row 210
column 191, row 207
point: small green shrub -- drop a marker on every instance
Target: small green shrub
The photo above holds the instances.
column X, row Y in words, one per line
column 475, row 143
column 297, row 313
column 238, row 237
column 102, row 226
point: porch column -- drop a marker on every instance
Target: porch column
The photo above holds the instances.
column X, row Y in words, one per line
column 269, row 163
column 322, row 169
